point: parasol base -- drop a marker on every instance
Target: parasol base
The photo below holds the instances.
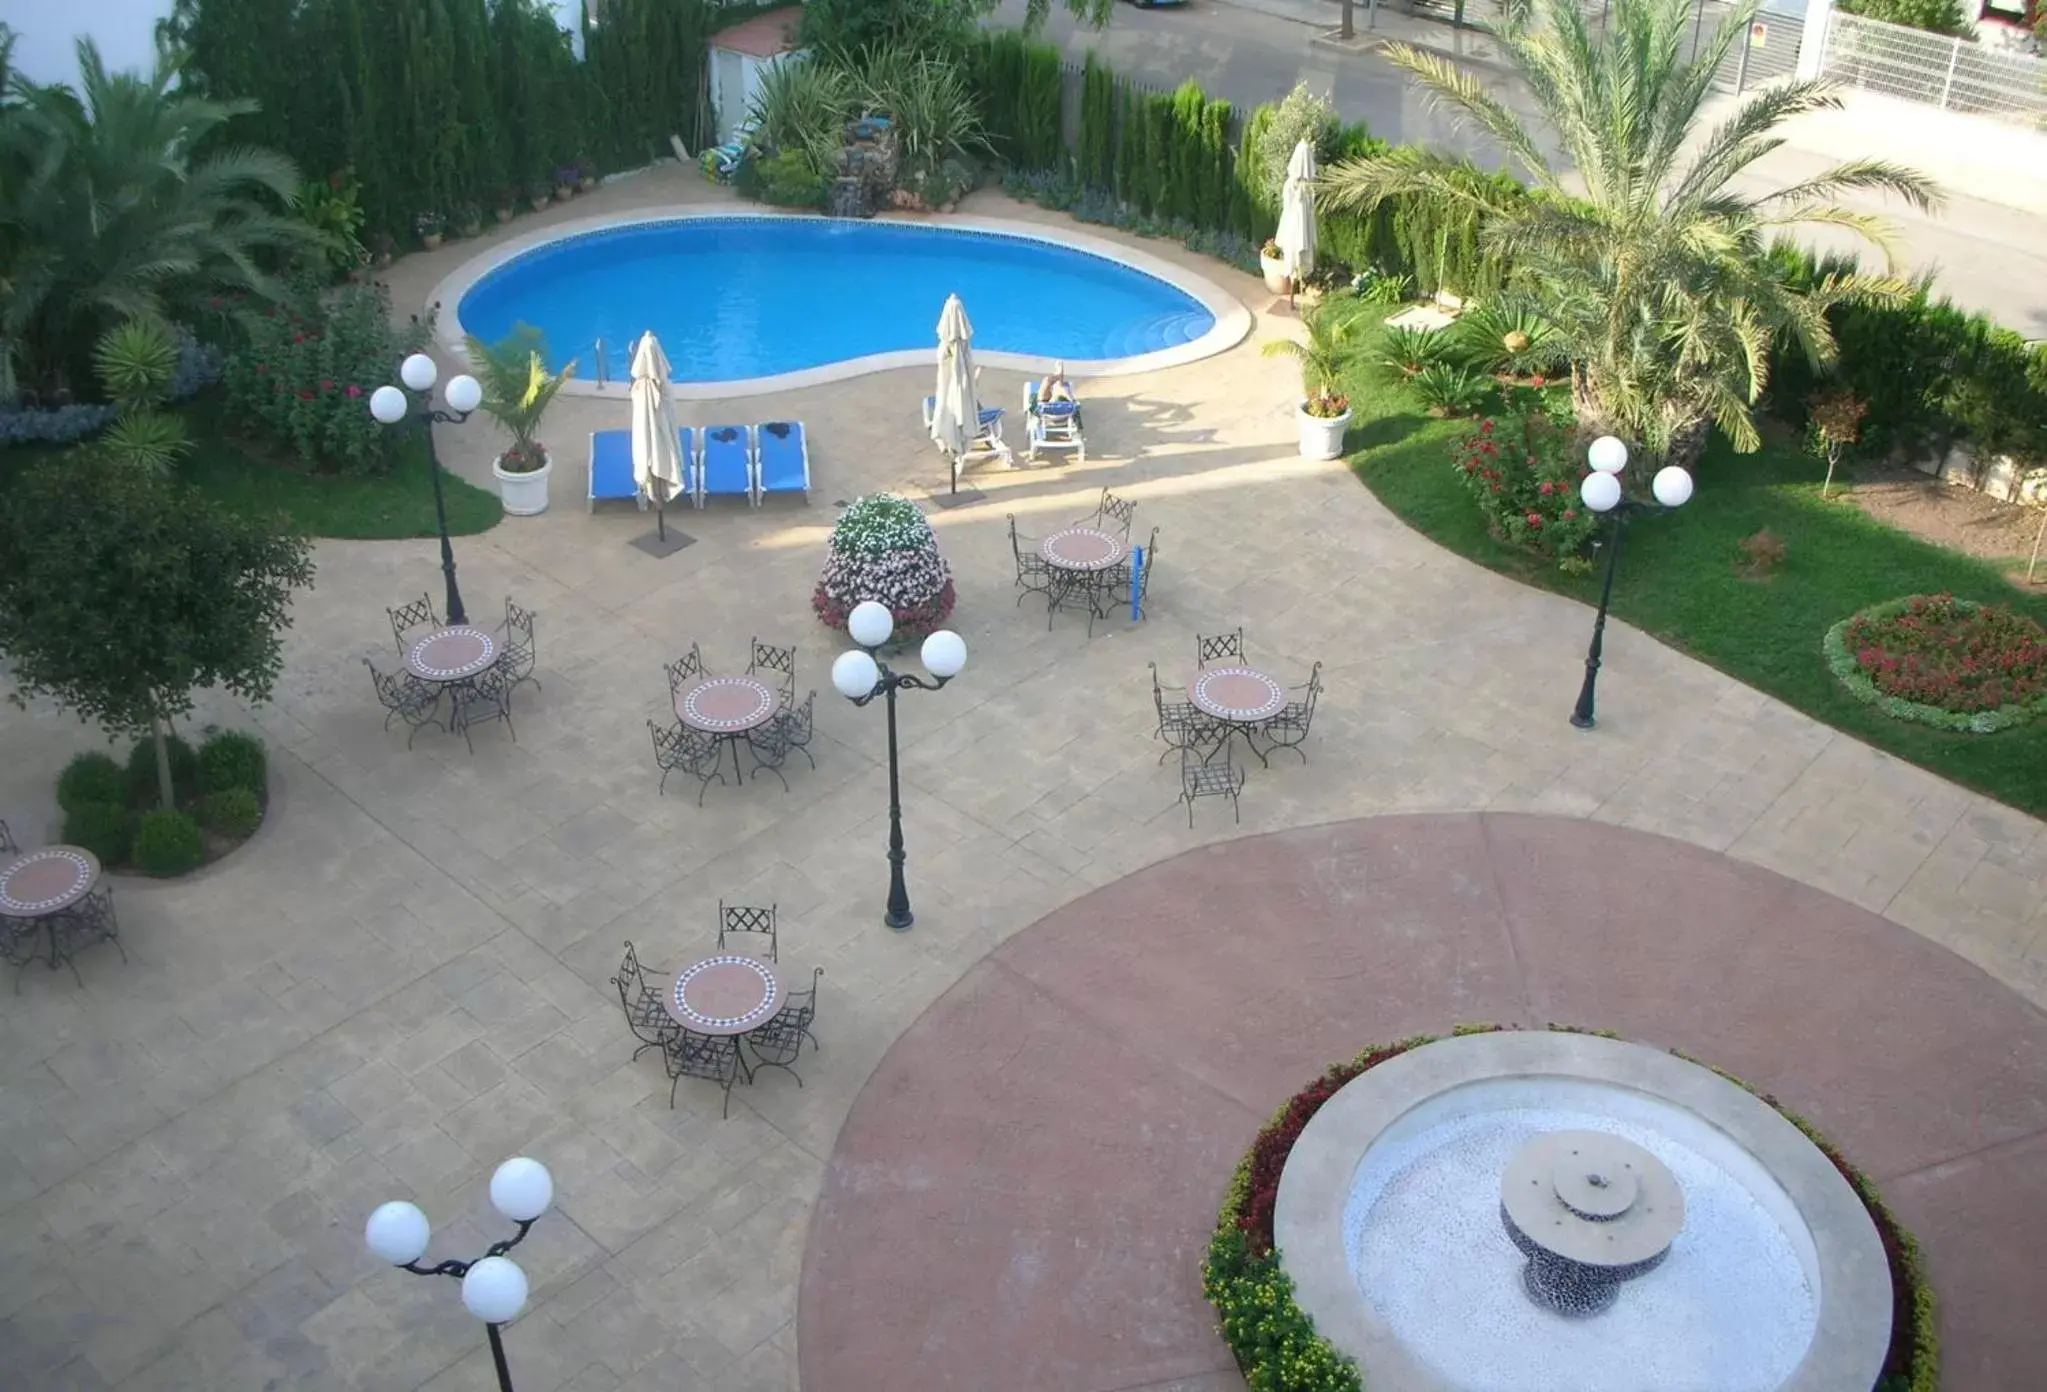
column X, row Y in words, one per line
column 658, row 544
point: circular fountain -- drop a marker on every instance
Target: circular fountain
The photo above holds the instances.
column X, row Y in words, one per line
column 1521, row 1212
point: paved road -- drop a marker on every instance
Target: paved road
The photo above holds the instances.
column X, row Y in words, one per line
column 1986, row 256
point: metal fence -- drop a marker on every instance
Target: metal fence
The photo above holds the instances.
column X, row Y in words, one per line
column 1770, row 51
column 1952, row 73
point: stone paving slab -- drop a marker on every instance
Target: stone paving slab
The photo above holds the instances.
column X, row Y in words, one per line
column 405, row 976
column 1029, row 1180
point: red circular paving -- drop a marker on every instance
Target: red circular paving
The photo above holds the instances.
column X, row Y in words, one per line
column 1023, row 1191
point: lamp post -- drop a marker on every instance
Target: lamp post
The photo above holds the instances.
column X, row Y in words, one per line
column 493, row 1286
column 391, row 405
column 1601, row 492
column 860, row 677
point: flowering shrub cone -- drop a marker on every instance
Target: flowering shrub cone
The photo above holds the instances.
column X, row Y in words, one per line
column 884, row 550
column 1525, row 476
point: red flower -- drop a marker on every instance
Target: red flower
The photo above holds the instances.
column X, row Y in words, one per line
column 1570, row 514
column 298, row 338
column 1538, row 381
column 305, row 396
column 1535, row 519
column 1486, row 429
column 1547, row 489
column 262, row 367
column 354, row 391
column 326, row 384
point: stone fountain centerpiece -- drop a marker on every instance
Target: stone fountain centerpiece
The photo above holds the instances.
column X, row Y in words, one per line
column 1590, row 1211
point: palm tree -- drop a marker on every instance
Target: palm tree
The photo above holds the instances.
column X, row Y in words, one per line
column 108, row 213
column 1653, row 268
column 1337, row 336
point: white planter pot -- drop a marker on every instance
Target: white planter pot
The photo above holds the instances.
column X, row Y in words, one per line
column 1321, row 436
column 523, row 494
column 1275, row 273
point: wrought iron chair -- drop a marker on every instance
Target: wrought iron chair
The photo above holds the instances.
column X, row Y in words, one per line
column 741, row 920
column 710, row 1056
column 1289, row 729
column 780, row 661
column 646, row 1013
column 694, row 752
column 1216, row 647
column 1122, row 577
column 800, row 723
column 770, row 746
column 485, row 697
column 20, row 939
column 1111, row 514
column 779, row 1042
column 406, row 617
column 8, row 846
column 520, row 652
column 1201, row 778
column 89, row 921
column 402, row 694
column 1033, row 572
column 684, row 669
column 1183, row 725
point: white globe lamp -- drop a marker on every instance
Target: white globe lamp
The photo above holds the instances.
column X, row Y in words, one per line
column 1608, row 455
column 1672, row 486
column 388, row 405
column 418, row 372
column 465, row 393
column 870, row 624
column 522, row 1189
column 854, row 674
column 398, row 1232
column 1600, row 491
column 945, row 654
column 495, row 1290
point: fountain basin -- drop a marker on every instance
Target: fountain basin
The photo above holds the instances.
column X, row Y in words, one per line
column 1389, row 1222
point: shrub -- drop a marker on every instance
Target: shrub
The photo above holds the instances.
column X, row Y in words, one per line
column 788, row 181
column 301, row 379
column 142, row 789
column 1525, row 477
column 89, row 778
column 1300, row 115
column 801, row 107
column 883, row 549
column 1943, row 661
column 1507, row 338
column 168, row 844
column 1405, row 351
column 1934, row 16
column 107, row 829
column 1449, row 390
column 233, row 813
column 232, row 759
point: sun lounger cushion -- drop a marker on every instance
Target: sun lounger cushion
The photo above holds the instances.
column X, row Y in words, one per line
column 727, row 462
column 611, row 466
column 784, row 457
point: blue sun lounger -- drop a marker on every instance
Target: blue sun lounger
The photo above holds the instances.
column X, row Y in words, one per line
column 611, row 466
column 782, row 458
column 726, row 466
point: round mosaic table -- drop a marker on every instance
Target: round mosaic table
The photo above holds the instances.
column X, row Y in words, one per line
column 47, row 881
column 452, row 654
column 1236, row 694
column 726, row 994
column 1082, row 548
column 726, row 705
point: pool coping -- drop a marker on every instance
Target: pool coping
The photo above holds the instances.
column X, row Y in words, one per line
column 1232, row 318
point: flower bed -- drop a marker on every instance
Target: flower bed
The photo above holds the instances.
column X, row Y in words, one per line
column 1275, row 1342
column 1942, row 661
column 883, row 549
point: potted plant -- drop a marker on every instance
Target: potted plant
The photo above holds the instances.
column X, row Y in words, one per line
column 382, row 248
column 539, row 192
column 1326, row 358
column 1272, row 261
column 504, row 202
column 468, row 219
column 586, row 173
column 566, row 178
column 431, row 227
column 517, row 390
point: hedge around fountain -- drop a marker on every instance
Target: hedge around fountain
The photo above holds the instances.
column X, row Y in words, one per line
column 1274, row 1340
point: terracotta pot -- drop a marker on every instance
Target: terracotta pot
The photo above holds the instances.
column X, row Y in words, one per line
column 564, row 192
column 505, row 214
column 430, row 240
column 590, row 184
column 470, row 229
column 539, row 201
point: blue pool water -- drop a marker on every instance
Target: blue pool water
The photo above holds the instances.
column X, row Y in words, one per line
column 733, row 298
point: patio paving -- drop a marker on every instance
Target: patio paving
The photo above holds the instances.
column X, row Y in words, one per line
column 404, row 978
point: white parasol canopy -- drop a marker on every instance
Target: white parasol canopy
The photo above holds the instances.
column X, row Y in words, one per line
column 657, row 449
column 956, row 417
column 1296, row 235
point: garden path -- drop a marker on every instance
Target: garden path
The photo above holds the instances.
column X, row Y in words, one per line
column 403, row 978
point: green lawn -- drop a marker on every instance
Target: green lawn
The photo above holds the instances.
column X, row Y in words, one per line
column 371, row 508
column 1679, row 580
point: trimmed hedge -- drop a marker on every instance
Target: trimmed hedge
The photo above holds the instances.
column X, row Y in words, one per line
column 91, row 778
column 1274, row 1340
column 107, row 829
column 233, row 813
column 232, row 759
column 168, row 844
column 142, row 787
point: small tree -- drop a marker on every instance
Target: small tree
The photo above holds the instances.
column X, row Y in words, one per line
column 1837, row 422
column 122, row 593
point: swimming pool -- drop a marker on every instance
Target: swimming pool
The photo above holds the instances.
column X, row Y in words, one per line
column 742, row 300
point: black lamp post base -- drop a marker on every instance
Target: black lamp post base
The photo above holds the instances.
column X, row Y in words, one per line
column 1582, row 722
column 900, row 922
